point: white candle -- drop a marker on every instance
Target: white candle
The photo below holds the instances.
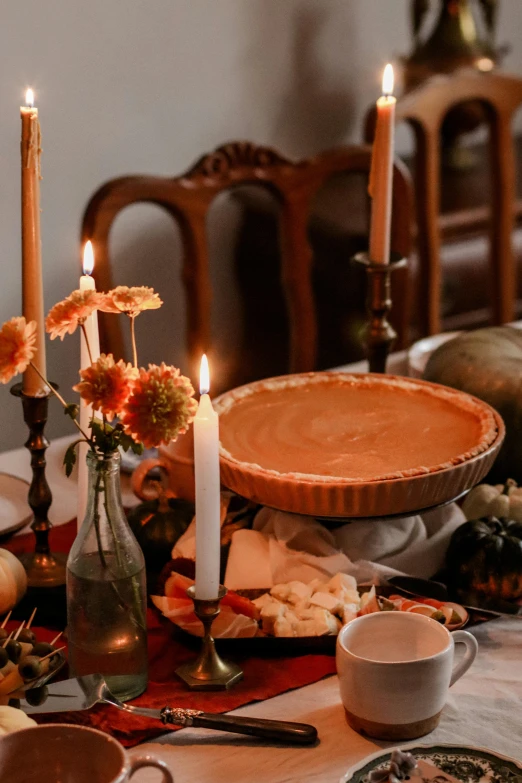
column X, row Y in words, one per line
column 32, row 283
column 91, row 328
column 208, row 512
column 380, row 186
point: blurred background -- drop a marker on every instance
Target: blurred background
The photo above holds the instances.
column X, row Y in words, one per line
column 130, row 86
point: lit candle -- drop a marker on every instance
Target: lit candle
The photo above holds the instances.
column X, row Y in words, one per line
column 380, row 185
column 91, row 328
column 206, row 468
column 32, row 284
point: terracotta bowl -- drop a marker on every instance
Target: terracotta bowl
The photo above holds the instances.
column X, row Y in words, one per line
column 177, row 461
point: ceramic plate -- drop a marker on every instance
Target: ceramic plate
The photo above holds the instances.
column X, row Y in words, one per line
column 467, row 764
column 14, row 509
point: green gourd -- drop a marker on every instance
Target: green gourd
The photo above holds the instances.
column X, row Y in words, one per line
column 484, row 559
column 488, row 364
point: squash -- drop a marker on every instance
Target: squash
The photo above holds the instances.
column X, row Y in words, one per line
column 501, row 500
column 488, row 364
column 13, row 581
column 484, row 558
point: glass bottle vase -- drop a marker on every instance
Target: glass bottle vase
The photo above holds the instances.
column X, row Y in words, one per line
column 106, row 592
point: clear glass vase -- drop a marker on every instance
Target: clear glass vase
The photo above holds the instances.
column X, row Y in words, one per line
column 106, row 594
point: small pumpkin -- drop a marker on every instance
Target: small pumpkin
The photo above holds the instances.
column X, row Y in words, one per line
column 499, row 500
column 488, row 364
column 13, row 581
column 484, row 558
column 157, row 525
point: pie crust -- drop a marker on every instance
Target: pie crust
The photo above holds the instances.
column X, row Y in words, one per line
column 345, row 445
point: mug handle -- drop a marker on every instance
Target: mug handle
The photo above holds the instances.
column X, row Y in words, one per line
column 139, row 475
column 463, row 637
column 146, row 760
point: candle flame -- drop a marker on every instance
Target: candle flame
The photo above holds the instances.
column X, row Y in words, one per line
column 387, row 80
column 88, row 258
column 204, row 377
column 29, row 98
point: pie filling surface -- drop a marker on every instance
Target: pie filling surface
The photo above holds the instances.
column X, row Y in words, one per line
column 335, row 426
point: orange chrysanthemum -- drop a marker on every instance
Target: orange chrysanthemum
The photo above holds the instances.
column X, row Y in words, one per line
column 17, row 347
column 106, row 384
column 160, row 407
column 131, row 301
column 65, row 316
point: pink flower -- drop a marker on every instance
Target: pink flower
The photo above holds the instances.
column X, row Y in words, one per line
column 131, row 301
column 17, row 347
column 106, row 384
column 65, row 316
column 161, row 406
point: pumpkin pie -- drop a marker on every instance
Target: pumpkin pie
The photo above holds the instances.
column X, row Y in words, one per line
column 344, row 445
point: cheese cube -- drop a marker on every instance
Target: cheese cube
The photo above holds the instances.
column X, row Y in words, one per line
column 298, row 591
column 282, row 627
column 318, row 586
column 264, row 600
column 280, row 592
column 342, row 581
column 270, row 614
column 326, row 601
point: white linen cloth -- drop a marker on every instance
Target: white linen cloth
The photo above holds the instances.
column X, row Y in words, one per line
column 282, row 547
column 484, row 709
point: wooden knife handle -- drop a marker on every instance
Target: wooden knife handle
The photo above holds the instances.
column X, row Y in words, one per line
column 280, row 730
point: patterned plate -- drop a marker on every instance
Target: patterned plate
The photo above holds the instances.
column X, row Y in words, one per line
column 465, row 763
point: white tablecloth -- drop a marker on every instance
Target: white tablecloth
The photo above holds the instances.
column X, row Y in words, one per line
column 484, row 708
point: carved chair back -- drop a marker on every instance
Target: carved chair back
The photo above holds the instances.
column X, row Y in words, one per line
column 188, row 198
column 425, row 109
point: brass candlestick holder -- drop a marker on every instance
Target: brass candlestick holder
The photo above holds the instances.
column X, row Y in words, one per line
column 378, row 334
column 209, row 672
column 43, row 568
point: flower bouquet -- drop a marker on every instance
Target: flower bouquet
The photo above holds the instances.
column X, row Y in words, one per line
column 132, row 407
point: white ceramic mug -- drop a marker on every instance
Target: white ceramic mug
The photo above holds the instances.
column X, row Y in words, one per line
column 395, row 669
column 76, row 754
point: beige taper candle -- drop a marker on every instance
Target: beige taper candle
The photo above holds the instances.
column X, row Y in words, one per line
column 381, row 175
column 32, row 283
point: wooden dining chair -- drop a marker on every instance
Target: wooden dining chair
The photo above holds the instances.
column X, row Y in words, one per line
column 425, row 109
column 188, row 198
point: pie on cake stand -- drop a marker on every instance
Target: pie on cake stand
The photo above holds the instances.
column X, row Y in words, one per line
column 334, row 444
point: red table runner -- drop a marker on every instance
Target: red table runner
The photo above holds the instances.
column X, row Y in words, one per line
column 263, row 677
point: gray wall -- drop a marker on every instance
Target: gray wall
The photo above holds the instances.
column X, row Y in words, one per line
column 146, row 86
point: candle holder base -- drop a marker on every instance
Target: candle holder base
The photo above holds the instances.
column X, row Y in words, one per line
column 379, row 335
column 43, row 568
column 209, row 672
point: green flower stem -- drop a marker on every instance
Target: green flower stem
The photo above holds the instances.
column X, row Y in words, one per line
column 59, row 396
column 133, row 338
column 84, row 330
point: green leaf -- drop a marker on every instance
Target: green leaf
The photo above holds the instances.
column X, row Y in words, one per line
column 69, row 459
column 71, row 409
column 126, row 442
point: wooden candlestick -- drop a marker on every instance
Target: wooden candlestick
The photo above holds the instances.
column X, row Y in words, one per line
column 378, row 334
column 43, row 568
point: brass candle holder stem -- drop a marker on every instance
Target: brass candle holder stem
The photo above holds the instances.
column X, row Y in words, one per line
column 43, row 568
column 378, row 334
column 209, row 672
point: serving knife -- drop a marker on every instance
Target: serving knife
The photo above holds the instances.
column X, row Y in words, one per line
column 82, row 693
column 429, row 588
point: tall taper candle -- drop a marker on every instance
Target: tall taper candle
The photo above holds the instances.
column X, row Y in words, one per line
column 380, row 186
column 91, row 328
column 32, row 284
column 208, row 510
